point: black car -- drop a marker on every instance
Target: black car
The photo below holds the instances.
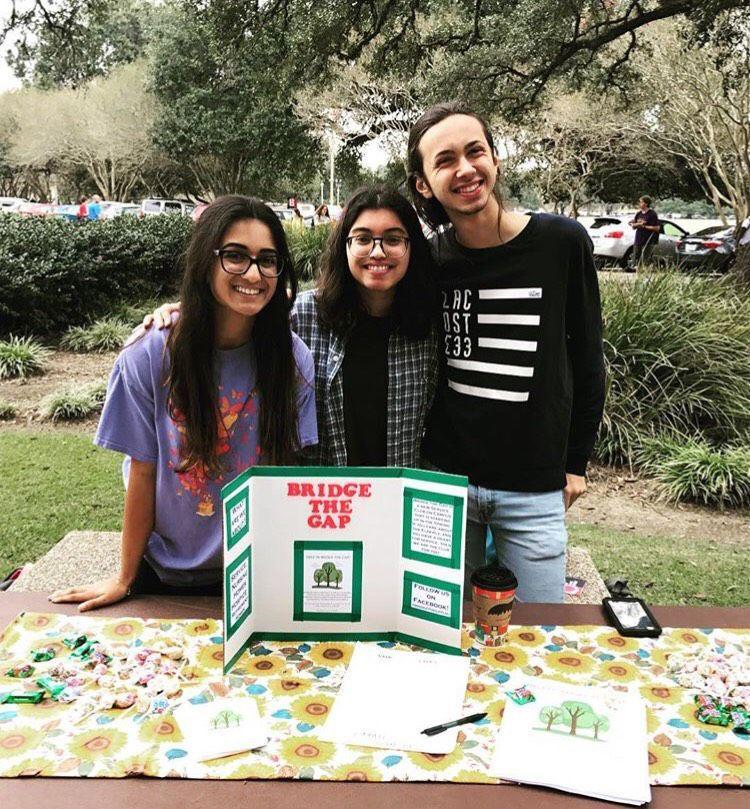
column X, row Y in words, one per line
column 708, row 250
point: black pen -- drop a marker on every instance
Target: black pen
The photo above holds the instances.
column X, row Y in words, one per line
column 475, row 717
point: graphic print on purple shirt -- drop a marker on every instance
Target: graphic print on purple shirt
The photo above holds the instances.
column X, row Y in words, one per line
column 185, row 546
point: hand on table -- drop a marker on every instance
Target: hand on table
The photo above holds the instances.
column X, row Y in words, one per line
column 161, row 317
column 574, row 488
column 93, row 596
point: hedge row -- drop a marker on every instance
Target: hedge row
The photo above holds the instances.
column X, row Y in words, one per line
column 55, row 274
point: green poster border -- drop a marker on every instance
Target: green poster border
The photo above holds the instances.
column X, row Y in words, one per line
column 232, row 628
column 453, row 621
column 229, row 504
column 410, row 494
column 300, row 546
column 343, row 472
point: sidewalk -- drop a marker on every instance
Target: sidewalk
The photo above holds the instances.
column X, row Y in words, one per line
column 85, row 556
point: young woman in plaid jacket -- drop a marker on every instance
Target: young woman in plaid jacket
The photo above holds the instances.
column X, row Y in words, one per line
column 369, row 324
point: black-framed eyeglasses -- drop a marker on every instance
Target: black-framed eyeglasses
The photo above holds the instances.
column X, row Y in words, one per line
column 392, row 244
column 237, row 262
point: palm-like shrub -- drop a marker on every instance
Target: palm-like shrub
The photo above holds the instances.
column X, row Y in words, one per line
column 677, row 352
column 21, row 357
column 105, row 334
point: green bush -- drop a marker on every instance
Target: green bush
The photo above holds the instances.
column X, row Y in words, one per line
column 74, row 403
column 696, row 472
column 105, row 334
column 55, row 274
column 8, row 411
column 306, row 246
column 677, row 361
column 21, row 357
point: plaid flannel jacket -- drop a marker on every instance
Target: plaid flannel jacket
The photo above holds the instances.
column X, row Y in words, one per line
column 413, row 367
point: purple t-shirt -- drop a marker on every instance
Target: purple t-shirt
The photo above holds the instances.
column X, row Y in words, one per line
column 185, row 547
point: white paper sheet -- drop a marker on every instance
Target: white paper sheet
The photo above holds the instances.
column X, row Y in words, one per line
column 587, row 740
column 389, row 697
column 220, row 728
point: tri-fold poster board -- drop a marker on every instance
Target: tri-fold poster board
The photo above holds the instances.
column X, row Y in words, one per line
column 343, row 553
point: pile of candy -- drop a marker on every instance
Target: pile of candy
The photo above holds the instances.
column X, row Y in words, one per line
column 124, row 676
column 721, row 671
column 721, row 674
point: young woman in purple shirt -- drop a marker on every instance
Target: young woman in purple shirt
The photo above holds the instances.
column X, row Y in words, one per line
column 228, row 387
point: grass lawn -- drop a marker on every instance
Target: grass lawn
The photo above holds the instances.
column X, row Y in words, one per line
column 665, row 570
column 55, row 482
column 52, row 483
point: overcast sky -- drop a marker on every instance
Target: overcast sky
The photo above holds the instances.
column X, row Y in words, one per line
column 7, row 80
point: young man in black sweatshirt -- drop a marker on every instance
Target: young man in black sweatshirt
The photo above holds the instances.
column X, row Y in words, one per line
column 523, row 393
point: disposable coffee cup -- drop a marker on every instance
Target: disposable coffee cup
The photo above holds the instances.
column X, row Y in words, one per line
column 493, row 592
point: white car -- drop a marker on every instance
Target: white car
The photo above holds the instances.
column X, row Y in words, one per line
column 154, row 207
column 11, row 204
column 613, row 240
column 111, row 210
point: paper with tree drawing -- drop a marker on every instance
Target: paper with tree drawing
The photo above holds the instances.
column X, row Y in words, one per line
column 222, row 727
column 587, row 740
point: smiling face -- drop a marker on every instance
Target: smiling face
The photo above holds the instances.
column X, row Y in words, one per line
column 243, row 296
column 459, row 168
column 379, row 272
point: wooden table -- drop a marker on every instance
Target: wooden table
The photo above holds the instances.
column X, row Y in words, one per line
column 159, row 793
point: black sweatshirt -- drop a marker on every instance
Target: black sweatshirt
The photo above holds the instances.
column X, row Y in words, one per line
column 523, row 387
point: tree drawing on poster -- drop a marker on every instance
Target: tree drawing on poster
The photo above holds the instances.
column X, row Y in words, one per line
column 327, row 575
column 574, row 717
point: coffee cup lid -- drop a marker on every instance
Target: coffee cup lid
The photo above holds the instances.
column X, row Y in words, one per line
column 494, row 577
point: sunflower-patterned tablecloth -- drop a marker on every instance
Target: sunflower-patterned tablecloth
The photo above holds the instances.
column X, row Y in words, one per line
column 295, row 685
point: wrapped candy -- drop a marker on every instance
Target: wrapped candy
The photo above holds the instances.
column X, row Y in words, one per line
column 521, row 696
column 74, row 641
column 20, row 672
column 125, row 699
column 42, row 655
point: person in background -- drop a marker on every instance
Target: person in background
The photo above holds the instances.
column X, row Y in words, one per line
column 321, row 215
column 82, row 213
column 646, row 226
column 94, row 209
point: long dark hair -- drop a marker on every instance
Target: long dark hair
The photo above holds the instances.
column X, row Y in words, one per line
column 338, row 300
column 430, row 209
column 192, row 387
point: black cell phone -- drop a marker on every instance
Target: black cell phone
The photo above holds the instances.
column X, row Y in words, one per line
column 631, row 617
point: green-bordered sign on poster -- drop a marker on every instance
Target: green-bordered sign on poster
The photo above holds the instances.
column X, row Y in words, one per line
column 432, row 599
column 327, row 581
column 343, row 553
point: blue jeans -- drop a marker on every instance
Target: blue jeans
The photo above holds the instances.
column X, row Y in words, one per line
column 528, row 530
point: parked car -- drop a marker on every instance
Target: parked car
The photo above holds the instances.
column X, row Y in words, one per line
column 36, row 209
column 198, row 210
column 709, row 250
column 11, row 204
column 287, row 214
column 111, row 210
column 613, row 240
column 155, row 207
column 67, row 212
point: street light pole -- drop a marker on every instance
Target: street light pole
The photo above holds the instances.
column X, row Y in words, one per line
column 332, row 167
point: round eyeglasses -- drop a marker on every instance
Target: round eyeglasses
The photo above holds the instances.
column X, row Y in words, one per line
column 236, row 262
column 392, row 245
